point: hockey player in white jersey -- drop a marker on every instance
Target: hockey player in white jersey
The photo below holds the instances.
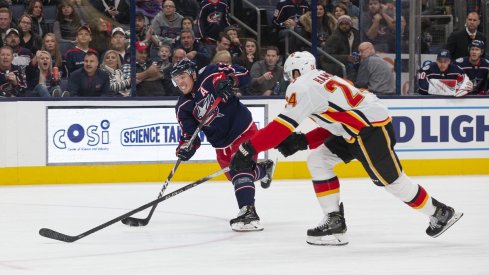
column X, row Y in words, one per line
column 353, row 124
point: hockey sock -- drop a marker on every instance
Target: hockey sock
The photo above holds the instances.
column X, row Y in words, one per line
column 412, row 194
column 328, row 194
column 244, row 189
column 259, row 172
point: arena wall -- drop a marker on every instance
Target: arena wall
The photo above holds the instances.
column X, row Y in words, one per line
column 103, row 141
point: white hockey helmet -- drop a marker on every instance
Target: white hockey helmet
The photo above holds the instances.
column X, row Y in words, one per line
column 303, row 62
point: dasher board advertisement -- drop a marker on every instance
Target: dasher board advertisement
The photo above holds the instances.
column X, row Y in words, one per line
column 121, row 134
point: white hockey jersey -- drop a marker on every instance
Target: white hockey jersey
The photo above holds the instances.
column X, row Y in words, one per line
column 333, row 103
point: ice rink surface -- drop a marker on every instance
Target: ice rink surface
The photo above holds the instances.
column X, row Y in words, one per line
column 190, row 233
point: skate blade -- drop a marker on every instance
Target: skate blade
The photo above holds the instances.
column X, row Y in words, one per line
column 249, row 227
column 330, row 240
column 451, row 222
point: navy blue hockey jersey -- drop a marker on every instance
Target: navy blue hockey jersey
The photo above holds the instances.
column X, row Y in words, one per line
column 213, row 18
column 431, row 80
column 477, row 73
column 230, row 118
column 289, row 9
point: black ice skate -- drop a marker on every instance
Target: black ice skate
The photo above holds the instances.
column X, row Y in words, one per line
column 269, row 167
column 444, row 217
column 331, row 230
column 247, row 220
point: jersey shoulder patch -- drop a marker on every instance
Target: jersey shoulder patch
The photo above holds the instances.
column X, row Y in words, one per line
column 459, row 60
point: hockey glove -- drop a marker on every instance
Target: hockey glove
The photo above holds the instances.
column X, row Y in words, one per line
column 293, row 143
column 185, row 151
column 224, row 86
column 243, row 160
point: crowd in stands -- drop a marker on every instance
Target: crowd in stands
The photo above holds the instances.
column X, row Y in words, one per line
column 81, row 48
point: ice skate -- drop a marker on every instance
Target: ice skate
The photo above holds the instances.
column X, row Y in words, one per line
column 269, row 167
column 444, row 217
column 331, row 230
column 247, row 220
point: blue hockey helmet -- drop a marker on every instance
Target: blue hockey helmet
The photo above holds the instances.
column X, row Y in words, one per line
column 183, row 66
column 478, row 44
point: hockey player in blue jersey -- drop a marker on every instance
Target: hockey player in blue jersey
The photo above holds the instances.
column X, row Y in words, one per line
column 443, row 78
column 229, row 126
column 476, row 67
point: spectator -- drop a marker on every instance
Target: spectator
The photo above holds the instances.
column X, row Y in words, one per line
column 89, row 80
column 328, row 5
column 178, row 54
column 212, row 19
column 42, row 80
column 196, row 52
column 28, row 39
column 339, row 10
column 188, row 23
column 167, row 23
column 267, row 75
column 118, row 44
column 100, row 34
column 164, row 55
column 74, row 58
column 476, row 67
column 12, row 78
column 187, row 8
column 378, row 27
column 341, row 45
column 458, row 41
column 5, row 23
column 374, row 73
column 117, row 10
column 50, row 45
column 443, row 78
column 119, row 84
column 35, row 10
column 148, row 75
column 22, row 56
column 235, row 49
column 165, row 63
column 285, row 17
column 353, row 10
column 222, row 44
column 149, row 8
column 426, row 37
column 250, row 55
column 326, row 25
column 143, row 32
column 67, row 22
column 223, row 57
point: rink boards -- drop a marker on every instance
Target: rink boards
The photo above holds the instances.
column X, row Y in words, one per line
column 134, row 141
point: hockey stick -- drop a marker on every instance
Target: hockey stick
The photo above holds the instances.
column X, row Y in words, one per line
column 49, row 233
column 131, row 221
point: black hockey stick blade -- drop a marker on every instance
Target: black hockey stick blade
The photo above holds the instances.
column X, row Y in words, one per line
column 131, row 221
column 49, row 233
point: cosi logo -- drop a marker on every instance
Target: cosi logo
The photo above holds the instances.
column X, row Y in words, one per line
column 91, row 135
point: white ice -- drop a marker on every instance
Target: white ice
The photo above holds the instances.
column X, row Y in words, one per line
column 190, row 233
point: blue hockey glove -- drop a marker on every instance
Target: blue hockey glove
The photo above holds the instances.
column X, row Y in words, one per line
column 224, row 86
column 186, row 151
